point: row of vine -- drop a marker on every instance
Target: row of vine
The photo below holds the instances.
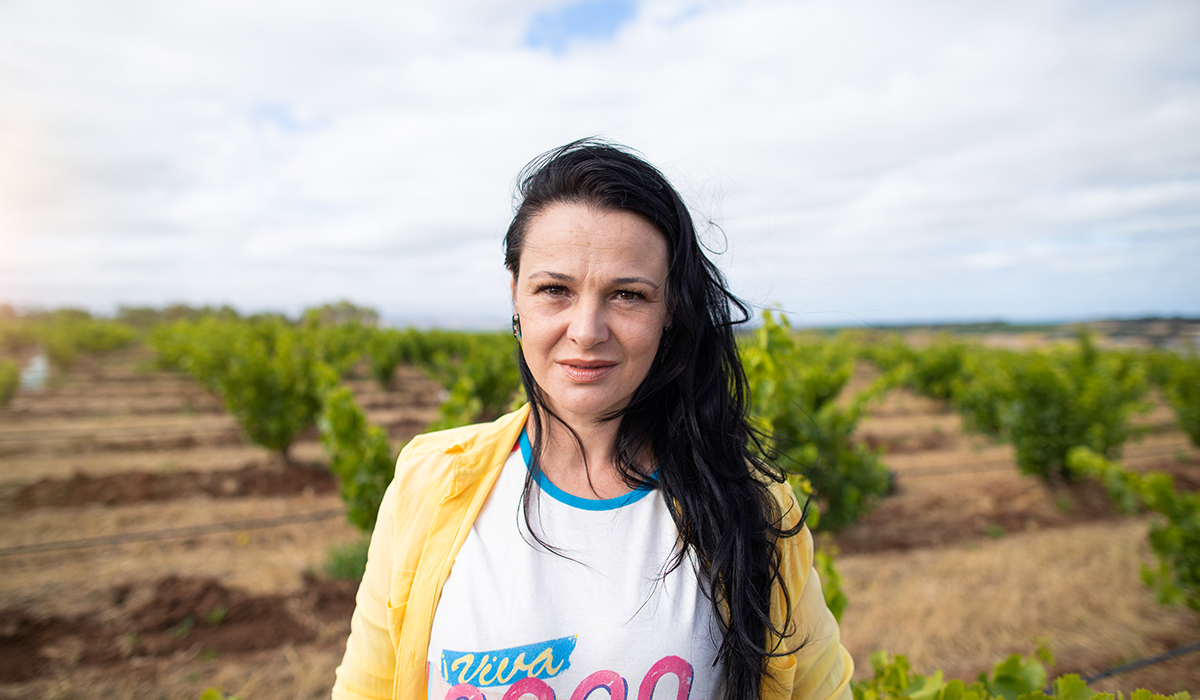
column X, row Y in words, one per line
column 1066, row 410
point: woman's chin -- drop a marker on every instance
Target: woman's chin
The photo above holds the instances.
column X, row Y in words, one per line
column 577, row 407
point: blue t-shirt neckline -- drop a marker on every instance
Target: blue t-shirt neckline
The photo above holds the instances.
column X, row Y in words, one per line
column 595, row 504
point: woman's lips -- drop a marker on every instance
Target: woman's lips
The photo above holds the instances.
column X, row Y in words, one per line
column 582, row 371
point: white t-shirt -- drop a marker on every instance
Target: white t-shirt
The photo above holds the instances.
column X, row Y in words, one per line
column 518, row 621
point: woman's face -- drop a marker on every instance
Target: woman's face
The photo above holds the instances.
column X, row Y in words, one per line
column 591, row 294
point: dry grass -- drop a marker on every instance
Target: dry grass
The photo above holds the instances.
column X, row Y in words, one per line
column 258, row 561
column 33, row 467
column 286, row 673
column 963, row 609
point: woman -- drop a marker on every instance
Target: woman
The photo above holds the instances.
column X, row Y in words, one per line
column 617, row 532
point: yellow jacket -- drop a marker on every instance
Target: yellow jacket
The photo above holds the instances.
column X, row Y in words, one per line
column 442, row 480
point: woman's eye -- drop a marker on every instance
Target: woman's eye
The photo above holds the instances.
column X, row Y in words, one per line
column 553, row 291
column 626, row 295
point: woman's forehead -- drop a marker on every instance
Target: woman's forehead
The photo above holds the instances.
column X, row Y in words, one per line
column 570, row 235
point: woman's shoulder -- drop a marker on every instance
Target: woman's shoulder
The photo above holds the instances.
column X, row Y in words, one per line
column 791, row 507
column 478, row 439
column 780, row 487
column 471, row 435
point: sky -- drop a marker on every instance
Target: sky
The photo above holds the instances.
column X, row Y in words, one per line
column 852, row 162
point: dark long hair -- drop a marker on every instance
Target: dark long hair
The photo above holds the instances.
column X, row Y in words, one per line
column 690, row 412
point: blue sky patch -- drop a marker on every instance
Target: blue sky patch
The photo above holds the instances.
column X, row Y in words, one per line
column 590, row 19
column 277, row 114
column 282, row 117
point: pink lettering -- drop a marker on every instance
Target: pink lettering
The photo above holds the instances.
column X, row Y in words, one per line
column 530, row 686
column 607, row 680
column 464, row 691
column 610, row 681
column 667, row 664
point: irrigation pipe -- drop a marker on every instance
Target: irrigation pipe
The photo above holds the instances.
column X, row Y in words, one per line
column 172, row 533
column 110, row 432
column 1008, row 463
column 992, row 465
column 1148, row 661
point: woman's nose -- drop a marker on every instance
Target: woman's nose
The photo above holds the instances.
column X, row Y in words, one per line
column 589, row 325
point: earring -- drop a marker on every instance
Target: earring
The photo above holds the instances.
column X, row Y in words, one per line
column 517, row 327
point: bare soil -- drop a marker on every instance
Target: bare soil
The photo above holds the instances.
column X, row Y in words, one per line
column 135, row 487
column 967, row 562
column 167, row 616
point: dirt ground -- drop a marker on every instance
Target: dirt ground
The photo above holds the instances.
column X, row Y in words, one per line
column 966, row 563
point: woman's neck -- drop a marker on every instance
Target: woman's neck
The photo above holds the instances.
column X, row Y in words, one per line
column 590, row 473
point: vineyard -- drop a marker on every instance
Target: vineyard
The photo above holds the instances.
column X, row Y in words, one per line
column 184, row 501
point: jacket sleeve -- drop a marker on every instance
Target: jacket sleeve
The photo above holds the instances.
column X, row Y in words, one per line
column 819, row 667
column 368, row 669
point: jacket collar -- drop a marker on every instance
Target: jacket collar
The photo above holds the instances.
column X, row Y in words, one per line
column 482, row 451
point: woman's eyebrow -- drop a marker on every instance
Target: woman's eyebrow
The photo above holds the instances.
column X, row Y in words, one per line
column 636, row 280
column 564, row 277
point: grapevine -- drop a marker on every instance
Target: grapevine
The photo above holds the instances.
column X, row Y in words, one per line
column 793, row 385
column 64, row 334
column 1015, row 678
column 360, row 454
column 387, row 349
column 481, row 383
column 263, row 370
column 1175, row 537
column 10, row 374
column 1182, row 389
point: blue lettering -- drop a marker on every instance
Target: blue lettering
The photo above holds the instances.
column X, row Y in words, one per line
column 539, row 660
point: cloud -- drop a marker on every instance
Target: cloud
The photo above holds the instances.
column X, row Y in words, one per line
column 862, row 159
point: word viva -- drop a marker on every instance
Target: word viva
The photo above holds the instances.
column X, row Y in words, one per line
column 534, row 688
column 504, row 666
